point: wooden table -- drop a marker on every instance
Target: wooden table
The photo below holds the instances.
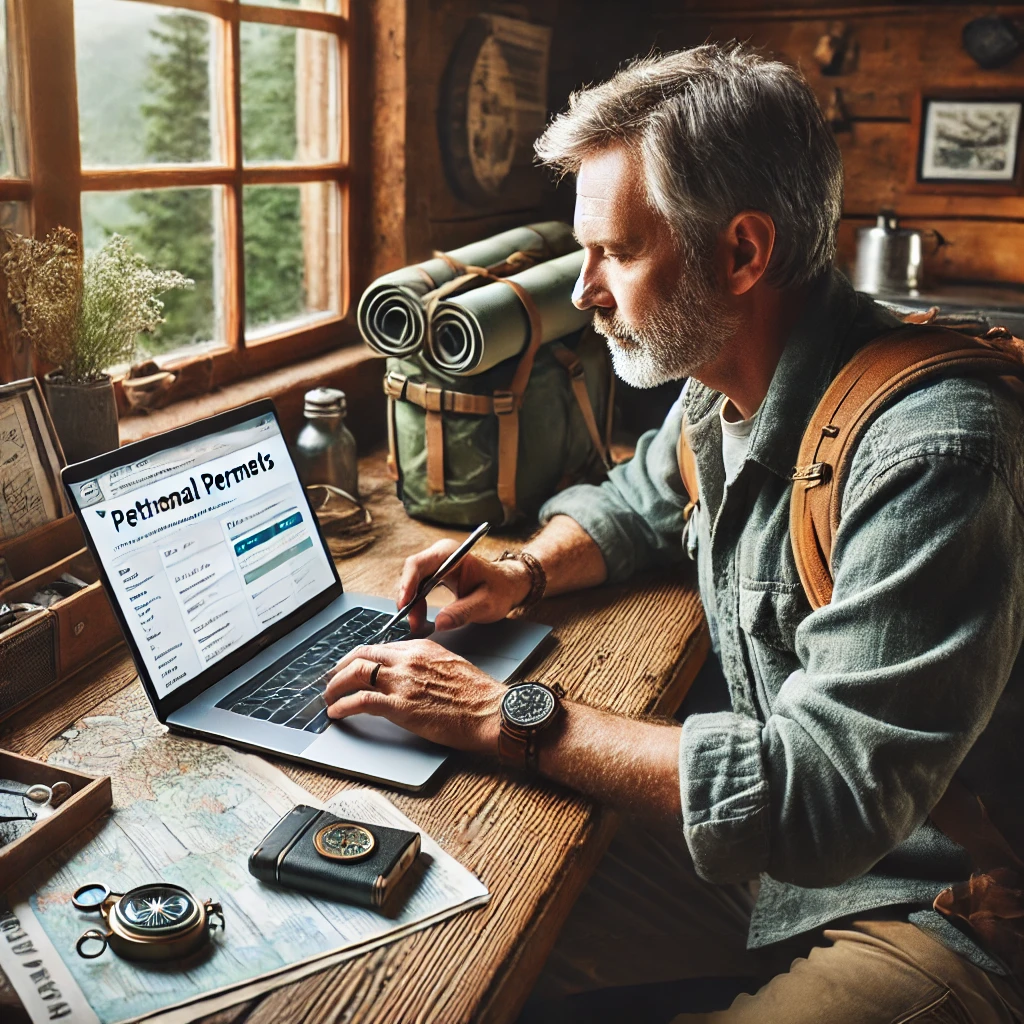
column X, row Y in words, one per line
column 632, row 649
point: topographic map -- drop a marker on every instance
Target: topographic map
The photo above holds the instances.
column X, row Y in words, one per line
column 189, row 813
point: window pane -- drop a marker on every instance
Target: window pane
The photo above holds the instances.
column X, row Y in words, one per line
column 174, row 229
column 144, row 84
column 289, row 94
column 292, row 253
column 330, row 6
column 17, row 217
column 13, row 161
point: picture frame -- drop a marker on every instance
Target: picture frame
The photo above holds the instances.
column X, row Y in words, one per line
column 969, row 143
column 31, row 493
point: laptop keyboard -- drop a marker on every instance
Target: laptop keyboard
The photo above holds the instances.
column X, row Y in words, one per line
column 290, row 692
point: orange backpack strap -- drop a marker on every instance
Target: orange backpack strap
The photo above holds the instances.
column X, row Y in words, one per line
column 688, row 471
column 878, row 373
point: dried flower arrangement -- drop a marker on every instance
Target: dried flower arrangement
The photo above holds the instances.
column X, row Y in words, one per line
column 84, row 313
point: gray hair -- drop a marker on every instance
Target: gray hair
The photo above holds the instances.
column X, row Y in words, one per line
column 719, row 129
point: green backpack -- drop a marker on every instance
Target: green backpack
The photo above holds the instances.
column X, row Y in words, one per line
column 494, row 446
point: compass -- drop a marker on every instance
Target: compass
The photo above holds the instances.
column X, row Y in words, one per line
column 344, row 841
column 158, row 921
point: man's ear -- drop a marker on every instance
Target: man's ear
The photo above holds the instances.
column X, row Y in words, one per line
column 746, row 247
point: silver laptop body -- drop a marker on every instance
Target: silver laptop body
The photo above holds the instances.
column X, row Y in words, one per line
column 232, row 606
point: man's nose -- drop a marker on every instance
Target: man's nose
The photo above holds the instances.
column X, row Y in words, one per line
column 588, row 292
column 579, row 293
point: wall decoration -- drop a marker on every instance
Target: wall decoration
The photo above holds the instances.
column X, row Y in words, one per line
column 836, row 51
column 493, row 103
column 969, row 143
column 993, row 41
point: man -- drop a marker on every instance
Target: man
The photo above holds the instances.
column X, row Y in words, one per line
column 709, row 192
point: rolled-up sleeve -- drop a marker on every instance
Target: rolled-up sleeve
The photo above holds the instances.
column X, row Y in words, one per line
column 636, row 516
column 900, row 674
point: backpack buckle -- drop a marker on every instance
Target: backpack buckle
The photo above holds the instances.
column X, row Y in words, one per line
column 813, row 474
column 504, row 403
column 433, row 398
column 394, row 385
column 576, row 370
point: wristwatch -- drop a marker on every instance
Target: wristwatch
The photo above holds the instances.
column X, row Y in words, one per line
column 527, row 710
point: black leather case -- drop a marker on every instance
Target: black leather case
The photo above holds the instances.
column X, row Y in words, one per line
column 288, row 857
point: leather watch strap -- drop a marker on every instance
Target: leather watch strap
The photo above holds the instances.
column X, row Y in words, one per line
column 513, row 747
column 518, row 746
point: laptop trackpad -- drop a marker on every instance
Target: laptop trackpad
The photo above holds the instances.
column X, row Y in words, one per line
column 498, row 648
column 371, row 746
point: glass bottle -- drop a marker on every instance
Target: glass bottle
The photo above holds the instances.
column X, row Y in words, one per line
column 325, row 450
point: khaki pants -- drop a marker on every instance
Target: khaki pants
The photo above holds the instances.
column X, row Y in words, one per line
column 645, row 918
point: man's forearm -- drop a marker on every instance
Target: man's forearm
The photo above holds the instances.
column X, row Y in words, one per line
column 571, row 560
column 629, row 764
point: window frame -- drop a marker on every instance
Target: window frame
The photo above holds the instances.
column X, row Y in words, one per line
column 41, row 39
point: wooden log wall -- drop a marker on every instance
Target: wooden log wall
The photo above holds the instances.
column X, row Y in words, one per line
column 901, row 51
column 415, row 207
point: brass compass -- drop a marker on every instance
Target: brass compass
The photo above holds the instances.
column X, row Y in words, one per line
column 158, row 921
column 344, row 841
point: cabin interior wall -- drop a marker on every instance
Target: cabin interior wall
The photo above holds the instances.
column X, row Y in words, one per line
column 896, row 52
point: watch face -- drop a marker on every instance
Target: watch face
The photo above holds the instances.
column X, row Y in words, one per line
column 157, row 909
column 343, row 841
column 528, row 704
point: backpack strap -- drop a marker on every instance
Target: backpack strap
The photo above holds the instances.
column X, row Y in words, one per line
column 877, row 374
column 688, row 471
column 578, row 380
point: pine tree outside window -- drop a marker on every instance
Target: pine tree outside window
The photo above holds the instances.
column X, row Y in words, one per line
column 214, row 135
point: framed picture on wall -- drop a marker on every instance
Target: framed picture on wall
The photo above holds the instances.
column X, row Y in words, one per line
column 969, row 144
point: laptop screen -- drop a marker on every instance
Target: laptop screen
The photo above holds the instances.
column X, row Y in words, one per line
column 205, row 546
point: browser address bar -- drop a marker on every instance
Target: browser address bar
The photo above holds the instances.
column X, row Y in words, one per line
column 183, row 458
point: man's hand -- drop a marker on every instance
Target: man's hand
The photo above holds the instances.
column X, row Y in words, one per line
column 485, row 591
column 422, row 687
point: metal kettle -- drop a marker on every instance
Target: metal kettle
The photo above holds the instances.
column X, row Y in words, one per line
column 890, row 259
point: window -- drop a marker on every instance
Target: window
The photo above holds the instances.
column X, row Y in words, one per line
column 214, row 135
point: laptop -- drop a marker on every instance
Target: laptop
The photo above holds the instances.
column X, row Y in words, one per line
column 232, row 606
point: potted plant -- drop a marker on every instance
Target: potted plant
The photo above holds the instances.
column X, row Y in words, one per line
column 83, row 314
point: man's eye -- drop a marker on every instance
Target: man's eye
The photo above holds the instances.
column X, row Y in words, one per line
column 617, row 257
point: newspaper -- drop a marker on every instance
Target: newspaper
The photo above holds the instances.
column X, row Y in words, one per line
column 190, row 812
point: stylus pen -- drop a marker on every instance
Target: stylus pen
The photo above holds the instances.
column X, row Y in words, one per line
column 428, row 583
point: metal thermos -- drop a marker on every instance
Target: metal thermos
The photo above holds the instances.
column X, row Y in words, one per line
column 325, row 450
column 890, row 259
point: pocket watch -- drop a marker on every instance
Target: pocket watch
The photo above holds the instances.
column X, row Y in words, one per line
column 158, row 921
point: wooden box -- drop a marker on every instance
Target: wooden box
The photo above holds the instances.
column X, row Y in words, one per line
column 48, row 646
column 90, row 797
column 42, row 540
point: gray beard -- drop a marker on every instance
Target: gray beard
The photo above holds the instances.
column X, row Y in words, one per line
column 673, row 340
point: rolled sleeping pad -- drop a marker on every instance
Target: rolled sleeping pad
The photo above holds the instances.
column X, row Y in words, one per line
column 471, row 332
column 391, row 317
